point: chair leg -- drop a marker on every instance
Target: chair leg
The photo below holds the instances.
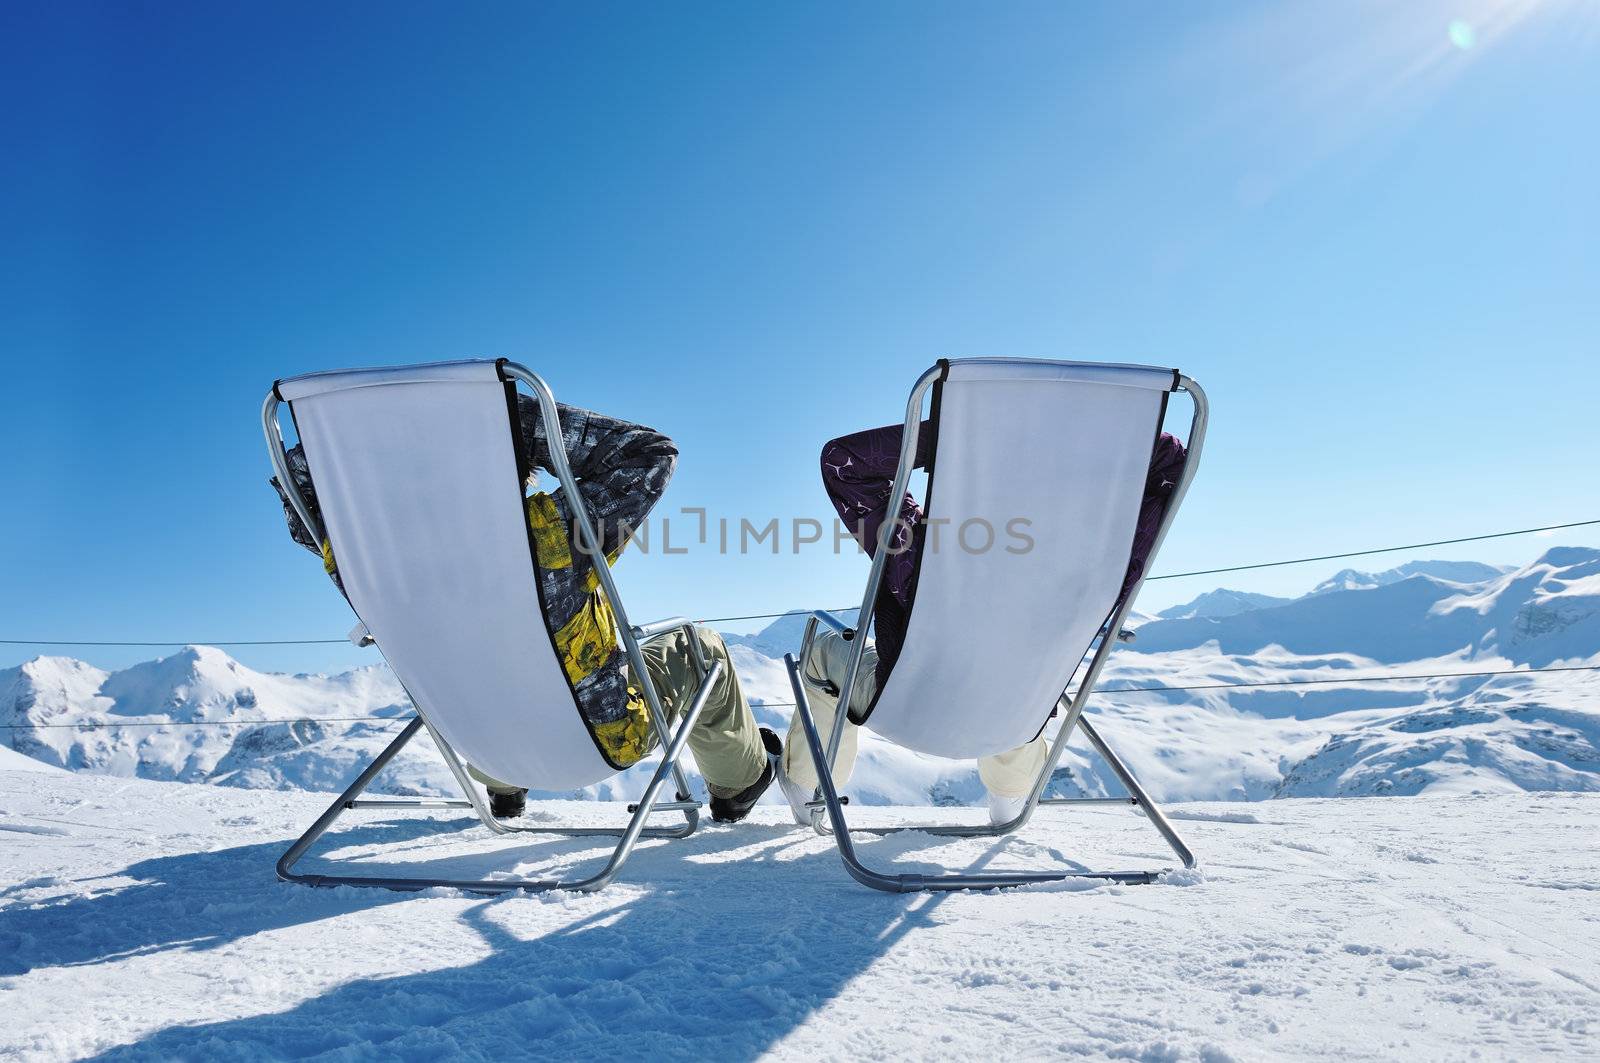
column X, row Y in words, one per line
column 893, row 883
column 628, row 836
column 475, row 801
column 1137, row 793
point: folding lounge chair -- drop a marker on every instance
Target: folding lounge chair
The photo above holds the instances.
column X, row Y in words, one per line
column 995, row 637
column 419, row 473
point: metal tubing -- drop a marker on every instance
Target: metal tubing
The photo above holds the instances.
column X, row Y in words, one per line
column 669, row 764
column 629, row 836
column 890, row 883
column 809, row 639
column 669, row 806
column 827, row 618
column 696, row 654
column 902, row 477
column 646, row 632
column 1195, row 444
column 630, row 636
column 408, row 802
column 589, row 541
column 280, row 464
column 1089, row 800
column 825, row 757
column 1197, row 433
column 498, row 826
column 1139, row 797
column 806, row 642
column 287, row 861
column 697, row 657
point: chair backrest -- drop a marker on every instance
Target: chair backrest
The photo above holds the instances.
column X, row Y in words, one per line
column 999, row 622
column 417, row 476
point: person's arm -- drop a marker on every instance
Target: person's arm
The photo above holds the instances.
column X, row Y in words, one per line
column 1166, row 466
column 858, row 474
column 622, row 468
column 300, row 472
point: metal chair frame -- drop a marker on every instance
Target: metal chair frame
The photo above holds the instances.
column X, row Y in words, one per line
column 827, row 806
column 632, row 639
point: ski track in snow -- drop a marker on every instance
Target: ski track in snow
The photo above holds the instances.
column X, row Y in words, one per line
column 141, row 920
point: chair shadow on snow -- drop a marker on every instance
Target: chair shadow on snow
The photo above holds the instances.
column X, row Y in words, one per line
column 192, row 901
column 683, row 957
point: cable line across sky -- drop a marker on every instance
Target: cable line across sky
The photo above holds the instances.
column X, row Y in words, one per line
column 94, row 725
column 773, row 616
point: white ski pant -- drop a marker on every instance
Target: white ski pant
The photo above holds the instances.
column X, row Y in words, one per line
column 1010, row 774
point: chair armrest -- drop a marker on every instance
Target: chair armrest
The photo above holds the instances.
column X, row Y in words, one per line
column 825, row 617
column 646, row 632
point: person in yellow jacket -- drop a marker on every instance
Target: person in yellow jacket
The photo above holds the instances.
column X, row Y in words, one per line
column 621, row 469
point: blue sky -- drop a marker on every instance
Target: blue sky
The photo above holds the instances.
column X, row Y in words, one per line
column 1369, row 229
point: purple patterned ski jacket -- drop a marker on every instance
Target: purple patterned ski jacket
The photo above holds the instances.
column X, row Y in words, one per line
column 858, row 474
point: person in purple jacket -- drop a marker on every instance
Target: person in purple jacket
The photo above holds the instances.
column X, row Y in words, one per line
column 858, row 474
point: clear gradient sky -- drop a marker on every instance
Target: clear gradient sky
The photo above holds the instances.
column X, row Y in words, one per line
column 1370, row 229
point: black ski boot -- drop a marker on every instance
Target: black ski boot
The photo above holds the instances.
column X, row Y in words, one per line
column 733, row 809
column 508, row 804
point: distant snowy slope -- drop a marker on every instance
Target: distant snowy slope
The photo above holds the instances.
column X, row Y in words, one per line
column 1543, row 612
column 1453, row 571
column 11, row 760
column 1226, row 602
column 200, row 716
column 783, row 635
column 1221, row 602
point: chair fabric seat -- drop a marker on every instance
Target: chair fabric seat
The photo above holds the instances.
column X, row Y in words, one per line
column 1035, row 489
column 418, row 479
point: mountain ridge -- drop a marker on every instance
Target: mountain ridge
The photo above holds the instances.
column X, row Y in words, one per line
column 198, row 715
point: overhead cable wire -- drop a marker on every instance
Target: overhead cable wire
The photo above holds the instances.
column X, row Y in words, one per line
column 108, row 724
column 840, row 609
column 1377, row 550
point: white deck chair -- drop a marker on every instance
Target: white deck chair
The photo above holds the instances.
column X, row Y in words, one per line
column 995, row 637
column 419, row 475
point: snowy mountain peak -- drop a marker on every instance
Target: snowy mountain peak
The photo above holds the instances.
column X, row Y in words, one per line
column 197, row 682
column 1254, row 740
column 46, row 669
column 1450, row 571
column 1222, row 602
column 59, row 708
column 1571, row 557
column 47, row 687
column 1533, row 615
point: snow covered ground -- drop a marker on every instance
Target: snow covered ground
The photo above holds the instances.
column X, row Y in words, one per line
column 141, row 920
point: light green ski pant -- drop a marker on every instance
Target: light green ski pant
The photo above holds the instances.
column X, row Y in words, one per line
column 725, row 740
column 1010, row 774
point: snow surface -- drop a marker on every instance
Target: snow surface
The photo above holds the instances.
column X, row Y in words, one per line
column 11, row 760
column 141, row 920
